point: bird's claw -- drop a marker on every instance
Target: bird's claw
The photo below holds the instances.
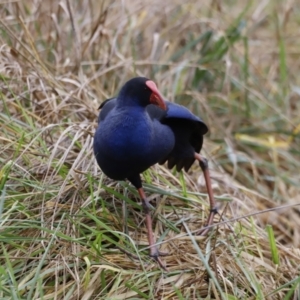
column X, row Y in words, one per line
column 161, row 253
column 156, row 256
column 203, row 231
column 158, row 253
column 147, row 207
column 159, row 261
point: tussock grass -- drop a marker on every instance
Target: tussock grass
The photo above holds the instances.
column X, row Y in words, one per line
column 65, row 228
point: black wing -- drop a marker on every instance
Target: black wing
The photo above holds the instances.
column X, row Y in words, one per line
column 106, row 106
column 188, row 130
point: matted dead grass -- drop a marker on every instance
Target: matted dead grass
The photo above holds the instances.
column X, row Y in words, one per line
column 68, row 232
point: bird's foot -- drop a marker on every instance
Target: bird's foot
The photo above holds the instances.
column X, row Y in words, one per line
column 161, row 264
column 154, row 253
column 203, row 231
column 156, row 256
column 158, row 253
column 147, row 207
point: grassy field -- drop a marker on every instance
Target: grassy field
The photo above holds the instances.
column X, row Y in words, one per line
column 65, row 227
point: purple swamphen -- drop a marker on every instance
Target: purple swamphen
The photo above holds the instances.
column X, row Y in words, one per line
column 138, row 129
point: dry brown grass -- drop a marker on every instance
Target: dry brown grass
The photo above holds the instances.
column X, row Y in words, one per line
column 63, row 222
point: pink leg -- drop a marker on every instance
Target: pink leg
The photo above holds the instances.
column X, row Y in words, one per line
column 153, row 249
column 213, row 208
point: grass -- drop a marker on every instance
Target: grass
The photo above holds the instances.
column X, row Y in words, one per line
column 65, row 227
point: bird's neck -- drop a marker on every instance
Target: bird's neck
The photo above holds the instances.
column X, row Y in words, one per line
column 129, row 103
column 130, row 116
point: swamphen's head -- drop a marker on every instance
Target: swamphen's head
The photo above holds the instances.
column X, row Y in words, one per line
column 141, row 91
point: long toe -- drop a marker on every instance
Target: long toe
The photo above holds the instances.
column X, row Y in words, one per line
column 160, row 262
column 161, row 253
column 158, row 253
column 203, row 231
column 155, row 254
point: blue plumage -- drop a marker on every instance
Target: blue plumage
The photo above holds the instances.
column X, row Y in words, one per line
column 139, row 129
column 134, row 134
column 127, row 142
